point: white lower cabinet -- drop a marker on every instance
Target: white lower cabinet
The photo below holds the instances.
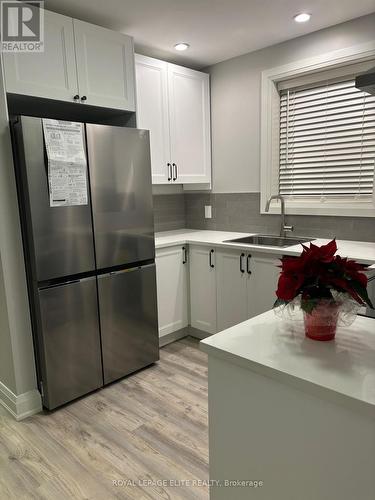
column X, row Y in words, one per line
column 246, row 284
column 202, row 260
column 262, row 283
column 227, row 286
column 172, row 289
column 231, row 284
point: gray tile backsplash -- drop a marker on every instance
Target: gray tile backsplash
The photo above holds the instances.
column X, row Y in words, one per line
column 240, row 212
column 169, row 212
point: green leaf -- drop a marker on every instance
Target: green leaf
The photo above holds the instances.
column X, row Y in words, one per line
column 308, row 305
column 362, row 292
column 280, row 302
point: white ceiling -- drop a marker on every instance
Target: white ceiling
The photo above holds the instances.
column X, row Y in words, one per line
column 216, row 29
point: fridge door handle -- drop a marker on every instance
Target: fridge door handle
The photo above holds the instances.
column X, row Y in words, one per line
column 122, row 271
column 69, row 282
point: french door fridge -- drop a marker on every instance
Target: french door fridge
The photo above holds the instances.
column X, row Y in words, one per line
column 90, row 267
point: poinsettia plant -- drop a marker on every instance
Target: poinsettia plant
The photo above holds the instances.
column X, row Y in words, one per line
column 319, row 274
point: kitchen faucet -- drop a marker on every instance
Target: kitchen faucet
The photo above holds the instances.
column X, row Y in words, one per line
column 284, row 228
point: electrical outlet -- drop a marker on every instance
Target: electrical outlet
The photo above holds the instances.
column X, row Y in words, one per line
column 208, row 212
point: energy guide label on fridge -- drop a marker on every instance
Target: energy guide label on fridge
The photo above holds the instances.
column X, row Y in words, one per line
column 67, row 165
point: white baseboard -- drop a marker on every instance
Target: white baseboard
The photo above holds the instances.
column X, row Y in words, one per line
column 198, row 334
column 21, row 406
column 168, row 338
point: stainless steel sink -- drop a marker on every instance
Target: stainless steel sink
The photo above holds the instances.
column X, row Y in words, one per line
column 269, row 241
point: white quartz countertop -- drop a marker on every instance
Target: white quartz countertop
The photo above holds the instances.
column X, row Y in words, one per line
column 359, row 250
column 342, row 370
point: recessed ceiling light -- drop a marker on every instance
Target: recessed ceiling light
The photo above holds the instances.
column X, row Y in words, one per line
column 302, row 18
column 181, row 46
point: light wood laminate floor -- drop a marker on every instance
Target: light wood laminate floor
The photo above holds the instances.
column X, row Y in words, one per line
column 149, row 426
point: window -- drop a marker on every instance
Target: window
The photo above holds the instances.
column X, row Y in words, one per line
column 318, row 135
column 327, row 141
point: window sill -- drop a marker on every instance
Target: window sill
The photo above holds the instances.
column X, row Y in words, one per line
column 329, row 208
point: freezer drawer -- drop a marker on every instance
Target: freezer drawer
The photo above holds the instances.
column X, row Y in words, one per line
column 70, row 341
column 128, row 318
column 121, row 192
column 61, row 238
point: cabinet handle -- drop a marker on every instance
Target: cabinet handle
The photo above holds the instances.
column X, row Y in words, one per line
column 241, row 257
column 175, row 171
column 76, row 97
column 83, row 98
column 248, row 264
column 210, row 258
column 169, row 171
column 184, row 255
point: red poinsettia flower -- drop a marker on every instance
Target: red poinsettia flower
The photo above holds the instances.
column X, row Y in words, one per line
column 288, row 286
column 318, row 271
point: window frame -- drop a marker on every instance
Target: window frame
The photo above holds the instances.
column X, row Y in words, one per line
column 269, row 144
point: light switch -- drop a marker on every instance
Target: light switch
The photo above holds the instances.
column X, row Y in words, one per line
column 208, row 211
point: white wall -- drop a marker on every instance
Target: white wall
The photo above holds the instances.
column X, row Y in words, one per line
column 17, row 366
column 235, row 100
column 7, row 376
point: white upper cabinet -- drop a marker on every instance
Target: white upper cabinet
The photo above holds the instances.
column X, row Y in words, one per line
column 105, row 66
column 81, row 62
column 152, row 113
column 51, row 74
column 174, row 104
column 189, row 111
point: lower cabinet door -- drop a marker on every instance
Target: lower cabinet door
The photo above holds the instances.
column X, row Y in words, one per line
column 69, row 341
column 262, row 283
column 203, row 288
column 172, row 286
column 231, row 288
column 128, row 320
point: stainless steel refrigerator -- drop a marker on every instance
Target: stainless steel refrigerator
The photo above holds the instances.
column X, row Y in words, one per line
column 90, row 268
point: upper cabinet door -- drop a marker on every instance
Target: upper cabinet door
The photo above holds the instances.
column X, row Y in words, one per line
column 152, row 113
column 189, row 109
column 105, row 66
column 50, row 74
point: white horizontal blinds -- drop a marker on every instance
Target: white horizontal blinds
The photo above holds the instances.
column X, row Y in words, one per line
column 327, row 141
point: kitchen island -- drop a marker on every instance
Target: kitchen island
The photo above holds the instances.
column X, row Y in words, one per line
column 293, row 417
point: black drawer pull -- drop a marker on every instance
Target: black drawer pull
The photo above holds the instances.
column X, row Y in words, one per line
column 184, row 255
column 169, row 171
column 241, row 257
column 210, row 258
column 248, row 264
